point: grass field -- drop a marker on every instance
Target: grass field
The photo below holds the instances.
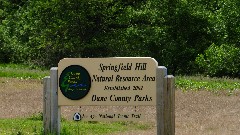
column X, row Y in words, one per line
column 22, row 71
column 33, row 126
column 195, row 107
column 184, row 83
column 215, row 85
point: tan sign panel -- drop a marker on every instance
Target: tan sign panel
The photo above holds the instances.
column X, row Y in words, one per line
column 107, row 81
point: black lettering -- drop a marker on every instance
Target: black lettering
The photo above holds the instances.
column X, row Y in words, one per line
column 96, row 98
column 97, row 78
column 115, row 68
column 137, row 87
column 120, row 99
column 117, row 88
column 136, row 116
column 142, row 98
column 141, row 66
column 147, row 78
column 126, row 79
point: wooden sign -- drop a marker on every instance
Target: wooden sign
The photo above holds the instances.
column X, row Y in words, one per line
column 107, row 81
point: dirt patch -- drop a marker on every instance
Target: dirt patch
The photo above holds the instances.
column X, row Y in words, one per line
column 201, row 113
column 20, row 98
column 197, row 113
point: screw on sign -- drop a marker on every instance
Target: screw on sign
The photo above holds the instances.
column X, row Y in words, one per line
column 77, row 117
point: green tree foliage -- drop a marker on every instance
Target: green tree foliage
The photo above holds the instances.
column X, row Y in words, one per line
column 173, row 32
column 189, row 35
column 40, row 32
column 7, row 8
column 220, row 61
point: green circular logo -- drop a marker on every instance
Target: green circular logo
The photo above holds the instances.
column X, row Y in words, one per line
column 75, row 82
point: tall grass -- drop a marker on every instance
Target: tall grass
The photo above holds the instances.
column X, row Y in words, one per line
column 196, row 83
column 22, row 71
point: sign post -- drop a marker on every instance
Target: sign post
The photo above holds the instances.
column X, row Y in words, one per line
column 116, row 81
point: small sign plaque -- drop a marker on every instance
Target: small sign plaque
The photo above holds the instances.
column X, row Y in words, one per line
column 107, row 81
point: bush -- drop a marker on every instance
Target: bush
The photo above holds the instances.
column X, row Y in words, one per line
column 220, row 61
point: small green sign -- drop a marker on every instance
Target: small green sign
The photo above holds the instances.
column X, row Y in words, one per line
column 75, row 82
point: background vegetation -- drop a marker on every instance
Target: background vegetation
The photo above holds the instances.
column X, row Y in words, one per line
column 186, row 36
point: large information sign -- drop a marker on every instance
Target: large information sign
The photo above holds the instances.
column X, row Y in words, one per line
column 107, row 81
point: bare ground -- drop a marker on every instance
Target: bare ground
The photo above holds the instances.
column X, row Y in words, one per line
column 197, row 113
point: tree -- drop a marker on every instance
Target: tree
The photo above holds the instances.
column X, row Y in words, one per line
column 173, row 32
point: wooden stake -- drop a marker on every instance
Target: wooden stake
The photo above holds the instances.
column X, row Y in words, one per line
column 55, row 109
column 161, row 73
column 169, row 105
column 46, row 105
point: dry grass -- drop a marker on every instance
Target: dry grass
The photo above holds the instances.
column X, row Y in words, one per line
column 19, row 98
column 197, row 113
column 204, row 113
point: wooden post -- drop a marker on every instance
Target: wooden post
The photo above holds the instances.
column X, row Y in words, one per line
column 169, row 105
column 46, row 105
column 165, row 106
column 161, row 73
column 51, row 110
column 165, row 102
column 55, row 109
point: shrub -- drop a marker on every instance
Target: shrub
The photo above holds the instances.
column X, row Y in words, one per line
column 220, row 61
